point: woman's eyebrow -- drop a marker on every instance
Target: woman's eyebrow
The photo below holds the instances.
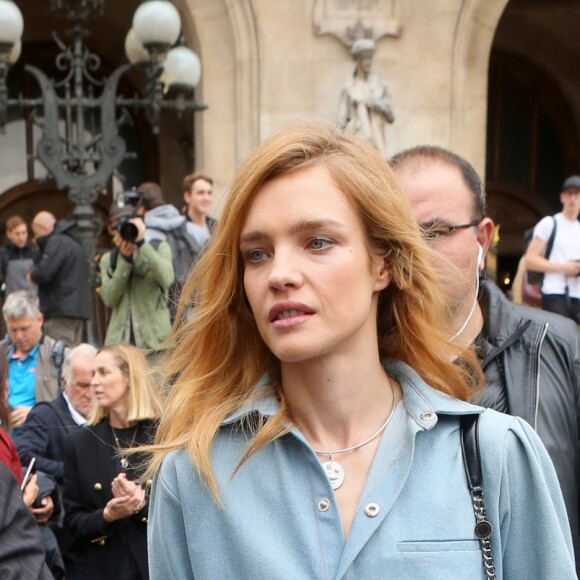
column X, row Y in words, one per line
column 309, row 225
column 298, row 227
column 254, row 236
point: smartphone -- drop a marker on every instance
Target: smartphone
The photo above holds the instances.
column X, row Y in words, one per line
column 29, row 471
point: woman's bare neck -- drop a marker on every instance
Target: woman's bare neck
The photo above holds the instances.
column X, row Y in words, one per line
column 336, row 402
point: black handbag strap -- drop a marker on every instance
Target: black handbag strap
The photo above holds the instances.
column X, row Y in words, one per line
column 469, row 427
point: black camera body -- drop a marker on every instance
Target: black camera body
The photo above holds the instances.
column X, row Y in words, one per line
column 128, row 230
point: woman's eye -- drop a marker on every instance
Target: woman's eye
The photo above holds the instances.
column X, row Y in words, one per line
column 319, row 243
column 255, row 255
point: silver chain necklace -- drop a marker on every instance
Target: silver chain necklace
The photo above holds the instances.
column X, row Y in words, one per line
column 124, row 460
column 334, row 470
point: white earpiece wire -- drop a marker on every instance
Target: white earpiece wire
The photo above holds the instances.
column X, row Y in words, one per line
column 471, row 312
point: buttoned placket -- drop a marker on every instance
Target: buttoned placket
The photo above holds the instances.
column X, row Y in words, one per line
column 386, row 479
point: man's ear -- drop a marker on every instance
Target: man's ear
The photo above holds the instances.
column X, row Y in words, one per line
column 484, row 235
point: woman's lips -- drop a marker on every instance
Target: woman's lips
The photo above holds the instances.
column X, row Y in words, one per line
column 291, row 320
column 286, row 314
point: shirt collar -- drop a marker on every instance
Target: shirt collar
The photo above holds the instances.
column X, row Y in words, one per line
column 77, row 417
column 422, row 402
column 261, row 401
column 31, row 353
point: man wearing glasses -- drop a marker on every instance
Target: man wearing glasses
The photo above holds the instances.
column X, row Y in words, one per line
column 561, row 283
column 530, row 357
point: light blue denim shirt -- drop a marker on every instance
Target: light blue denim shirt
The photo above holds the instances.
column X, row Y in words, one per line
column 276, row 524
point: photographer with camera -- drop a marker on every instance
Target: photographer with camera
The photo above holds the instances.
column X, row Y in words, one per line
column 561, row 268
column 135, row 279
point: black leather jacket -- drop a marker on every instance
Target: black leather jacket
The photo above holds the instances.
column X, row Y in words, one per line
column 541, row 371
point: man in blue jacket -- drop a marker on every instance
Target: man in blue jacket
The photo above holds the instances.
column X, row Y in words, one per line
column 531, row 358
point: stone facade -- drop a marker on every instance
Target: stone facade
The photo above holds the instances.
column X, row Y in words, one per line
column 265, row 65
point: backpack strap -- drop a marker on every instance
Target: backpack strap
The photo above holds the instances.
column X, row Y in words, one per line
column 57, row 357
column 113, row 262
column 469, row 428
column 550, row 243
column 182, row 233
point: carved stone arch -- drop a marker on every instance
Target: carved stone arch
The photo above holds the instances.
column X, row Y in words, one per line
column 225, row 34
column 247, row 75
column 474, row 33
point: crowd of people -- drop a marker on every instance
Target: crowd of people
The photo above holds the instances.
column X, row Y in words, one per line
column 341, row 375
column 72, row 410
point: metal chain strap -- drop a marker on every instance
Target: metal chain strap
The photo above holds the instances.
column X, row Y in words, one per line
column 483, row 529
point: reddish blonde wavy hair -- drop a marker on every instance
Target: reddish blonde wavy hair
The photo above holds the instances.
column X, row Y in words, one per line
column 217, row 357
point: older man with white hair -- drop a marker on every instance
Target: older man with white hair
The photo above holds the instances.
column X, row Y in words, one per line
column 47, row 426
column 43, row 434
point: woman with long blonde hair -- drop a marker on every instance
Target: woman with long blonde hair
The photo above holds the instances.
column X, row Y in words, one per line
column 105, row 506
column 312, row 426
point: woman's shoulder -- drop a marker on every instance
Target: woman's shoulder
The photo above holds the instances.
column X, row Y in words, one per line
column 176, row 469
column 503, row 437
column 495, row 424
column 176, row 462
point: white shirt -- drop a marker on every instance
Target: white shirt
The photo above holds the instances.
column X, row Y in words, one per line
column 566, row 247
column 77, row 417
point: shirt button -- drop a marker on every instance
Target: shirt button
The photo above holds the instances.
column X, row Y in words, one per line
column 323, row 504
column 427, row 416
column 372, row 509
column 98, row 486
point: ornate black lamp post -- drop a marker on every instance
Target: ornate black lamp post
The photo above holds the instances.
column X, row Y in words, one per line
column 80, row 161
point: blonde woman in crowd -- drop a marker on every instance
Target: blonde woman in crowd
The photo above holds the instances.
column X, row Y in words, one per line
column 106, row 507
column 313, row 425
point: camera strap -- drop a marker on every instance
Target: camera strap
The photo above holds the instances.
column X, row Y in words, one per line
column 113, row 262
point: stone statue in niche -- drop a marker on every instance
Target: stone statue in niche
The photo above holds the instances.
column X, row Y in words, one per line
column 365, row 103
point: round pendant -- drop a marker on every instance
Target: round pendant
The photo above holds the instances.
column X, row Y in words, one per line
column 124, row 462
column 335, row 473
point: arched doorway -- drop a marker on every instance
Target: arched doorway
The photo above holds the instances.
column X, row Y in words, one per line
column 533, row 120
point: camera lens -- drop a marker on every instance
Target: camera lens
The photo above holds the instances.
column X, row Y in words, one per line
column 129, row 232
